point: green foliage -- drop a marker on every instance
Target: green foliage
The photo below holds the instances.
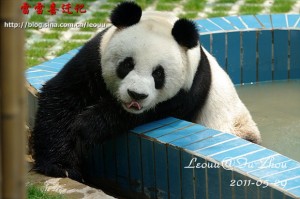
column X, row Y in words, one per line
column 144, row 3
column 189, row 15
column 36, row 52
column 221, row 8
column 217, row 14
column 280, row 6
column 100, row 14
column 65, row 19
column 164, row 7
column 114, row 1
column 255, row 1
column 36, row 192
column 52, row 35
column 43, row 44
column 31, row 61
column 169, row 1
column 227, row 1
column 250, row 10
column 81, row 36
column 194, row 5
column 28, row 34
column 67, row 46
column 107, row 6
column 37, row 18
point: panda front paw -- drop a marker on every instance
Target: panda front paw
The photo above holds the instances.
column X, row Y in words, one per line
column 74, row 175
column 89, row 127
column 85, row 131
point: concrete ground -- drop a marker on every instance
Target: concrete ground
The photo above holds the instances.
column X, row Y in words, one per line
column 70, row 189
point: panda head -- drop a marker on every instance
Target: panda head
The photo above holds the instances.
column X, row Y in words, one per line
column 148, row 58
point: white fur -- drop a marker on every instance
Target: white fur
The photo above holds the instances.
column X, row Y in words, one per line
column 223, row 109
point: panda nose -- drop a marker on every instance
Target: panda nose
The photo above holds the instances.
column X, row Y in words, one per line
column 137, row 96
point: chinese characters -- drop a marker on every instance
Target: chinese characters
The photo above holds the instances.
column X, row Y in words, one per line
column 53, row 8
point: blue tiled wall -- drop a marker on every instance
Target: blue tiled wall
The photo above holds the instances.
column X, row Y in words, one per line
column 178, row 159
column 267, row 44
column 151, row 159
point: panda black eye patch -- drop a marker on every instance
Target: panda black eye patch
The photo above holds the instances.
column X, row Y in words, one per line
column 125, row 67
column 159, row 77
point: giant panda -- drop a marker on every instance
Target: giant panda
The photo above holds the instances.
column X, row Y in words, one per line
column 144, row 67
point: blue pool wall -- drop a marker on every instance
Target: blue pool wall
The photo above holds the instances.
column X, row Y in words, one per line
column 268, row 46
column 149, row 161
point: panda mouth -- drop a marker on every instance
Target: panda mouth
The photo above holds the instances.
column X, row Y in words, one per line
column 133, row 105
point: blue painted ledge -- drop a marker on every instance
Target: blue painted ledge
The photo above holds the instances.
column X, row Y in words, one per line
column 172, row 158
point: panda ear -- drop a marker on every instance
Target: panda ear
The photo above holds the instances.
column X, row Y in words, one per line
column 185, row 33
column 126, row 14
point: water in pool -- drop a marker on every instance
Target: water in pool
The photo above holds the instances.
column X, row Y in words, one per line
column 275, row 107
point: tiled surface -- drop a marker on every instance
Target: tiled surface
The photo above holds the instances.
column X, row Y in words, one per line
column 264, row 55
column 248, row 22
column 38, row 75
column 215, row 168
column 264, row 47
column 272, row 168
column 152, row 158
column 233, row 62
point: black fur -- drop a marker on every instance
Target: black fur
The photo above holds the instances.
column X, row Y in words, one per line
column 126, row 14
column 185, row 33
column 125, row 67
column 76, row 106
column 159, row 77
column 187, row 104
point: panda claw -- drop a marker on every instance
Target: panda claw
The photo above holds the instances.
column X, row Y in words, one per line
column 67, row 174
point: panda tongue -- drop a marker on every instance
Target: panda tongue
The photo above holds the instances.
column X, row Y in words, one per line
column 134, row 104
